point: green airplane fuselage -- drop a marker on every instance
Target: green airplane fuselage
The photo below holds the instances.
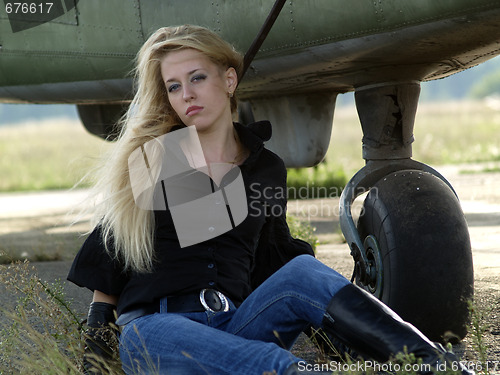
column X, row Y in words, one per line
column 86, row 54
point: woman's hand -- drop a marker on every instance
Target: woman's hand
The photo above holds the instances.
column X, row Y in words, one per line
column 101, row 334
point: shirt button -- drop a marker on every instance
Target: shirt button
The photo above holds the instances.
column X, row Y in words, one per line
column 211, row 265
column 211, row 229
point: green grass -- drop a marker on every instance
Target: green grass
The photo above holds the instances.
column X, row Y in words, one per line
column 47, row 155
column 325, row 180
column 302, row 229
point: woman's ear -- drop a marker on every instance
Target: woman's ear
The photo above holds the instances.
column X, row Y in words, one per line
column 231, row 79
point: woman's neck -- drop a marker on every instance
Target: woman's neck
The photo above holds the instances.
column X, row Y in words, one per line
column 220, row 145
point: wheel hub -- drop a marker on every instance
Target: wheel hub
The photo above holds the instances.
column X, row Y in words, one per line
column 374, row 271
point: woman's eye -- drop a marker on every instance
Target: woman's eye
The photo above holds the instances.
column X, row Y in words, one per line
column 173, row 87
column 198, row 77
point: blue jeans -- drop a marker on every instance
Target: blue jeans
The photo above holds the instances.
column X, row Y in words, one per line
column 251, row 339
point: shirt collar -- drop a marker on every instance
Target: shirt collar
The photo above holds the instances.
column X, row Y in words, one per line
column 253, row 137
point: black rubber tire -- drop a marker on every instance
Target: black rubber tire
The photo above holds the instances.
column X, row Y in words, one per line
column 426, row 253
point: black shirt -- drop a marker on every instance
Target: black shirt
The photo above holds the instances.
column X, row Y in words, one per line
column 235, row 262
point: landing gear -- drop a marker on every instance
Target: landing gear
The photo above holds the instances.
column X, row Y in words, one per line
column 411, row 246
column 417, row 243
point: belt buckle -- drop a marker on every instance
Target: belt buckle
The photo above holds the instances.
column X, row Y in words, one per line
column 222, row 298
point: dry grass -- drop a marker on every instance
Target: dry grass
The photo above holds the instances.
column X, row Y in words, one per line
column 44, row 336
column 55, row 154
column 454, row 132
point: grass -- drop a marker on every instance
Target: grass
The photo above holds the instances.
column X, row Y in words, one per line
column 481, row 170
column 302, row 229
column 52, row 154
column 43, row 335
column 469, row 132
column 56, row 154
column 322, row 181
column 478, row 328
column 445, row 133
column 39, row 256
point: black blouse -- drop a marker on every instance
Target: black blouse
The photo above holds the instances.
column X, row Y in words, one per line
column 235, row 262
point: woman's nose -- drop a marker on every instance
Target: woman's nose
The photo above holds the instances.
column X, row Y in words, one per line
column 187, row 92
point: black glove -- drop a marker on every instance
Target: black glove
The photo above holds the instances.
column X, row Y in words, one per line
column 99, row 337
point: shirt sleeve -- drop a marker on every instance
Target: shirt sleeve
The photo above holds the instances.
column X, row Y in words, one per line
column 96, row 269
column 276, row 245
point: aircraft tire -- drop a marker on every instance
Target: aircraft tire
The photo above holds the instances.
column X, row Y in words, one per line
column 424, row 245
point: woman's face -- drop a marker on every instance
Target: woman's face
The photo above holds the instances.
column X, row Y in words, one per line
column 198, row 88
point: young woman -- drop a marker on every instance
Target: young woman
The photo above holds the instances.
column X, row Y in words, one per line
column 236, row 295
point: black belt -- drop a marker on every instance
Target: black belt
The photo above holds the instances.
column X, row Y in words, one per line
column 205, row 300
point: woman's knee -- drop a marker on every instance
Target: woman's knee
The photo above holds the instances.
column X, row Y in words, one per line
column 306, row 270
column 302, row 262
column 308, row 266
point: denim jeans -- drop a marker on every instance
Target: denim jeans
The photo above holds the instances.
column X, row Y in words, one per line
column 251, row 339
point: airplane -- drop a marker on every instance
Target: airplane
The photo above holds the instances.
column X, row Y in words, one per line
column 411, row 248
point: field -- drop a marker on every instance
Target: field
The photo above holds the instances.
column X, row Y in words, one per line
column 52, row 154
column 56, row 154
column 453, row 132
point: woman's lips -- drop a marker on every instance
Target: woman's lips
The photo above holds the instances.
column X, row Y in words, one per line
column 193, row 110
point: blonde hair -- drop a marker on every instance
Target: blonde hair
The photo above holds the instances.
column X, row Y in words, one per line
column 129, row 228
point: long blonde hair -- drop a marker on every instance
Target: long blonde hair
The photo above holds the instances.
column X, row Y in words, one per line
column 129, row 228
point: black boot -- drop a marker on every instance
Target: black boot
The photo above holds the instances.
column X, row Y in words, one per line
column 373, row 330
